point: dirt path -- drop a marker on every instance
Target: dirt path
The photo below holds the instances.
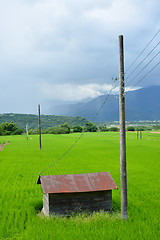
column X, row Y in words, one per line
column 3, row 145
column 155, row 132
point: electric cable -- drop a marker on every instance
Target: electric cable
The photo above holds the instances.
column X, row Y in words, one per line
column 144, row 68
column 143, row 77
column 142, row 51
column 142, row 61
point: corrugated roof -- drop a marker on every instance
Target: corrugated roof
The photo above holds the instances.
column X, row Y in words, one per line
column 88, row 182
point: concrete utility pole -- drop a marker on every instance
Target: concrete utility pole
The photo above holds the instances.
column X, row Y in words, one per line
column 27, row 131
column 140, row 134
column 137, row 134
column 123, row 172
column 39, row 127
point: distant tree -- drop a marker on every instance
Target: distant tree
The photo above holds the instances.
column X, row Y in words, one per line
column 131, row 128
column 103, row 128
column 1, row 130
column 10, row 126
column 94, row 129
column 33, row 131
column 18, row 131
column 141, row 128
column 59, row 130
column 66, row 127
column 156, row 127
column 62, row 129
column 114, row 129
column 90, row 127
column 9, row 129
column 77, row 128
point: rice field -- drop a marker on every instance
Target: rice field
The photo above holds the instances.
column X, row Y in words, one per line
column 21, row 198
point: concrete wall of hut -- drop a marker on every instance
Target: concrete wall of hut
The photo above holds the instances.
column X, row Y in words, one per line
column 45, row 209
column 66, row 203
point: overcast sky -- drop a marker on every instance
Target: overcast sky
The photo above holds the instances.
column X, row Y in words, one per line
column 66, row 50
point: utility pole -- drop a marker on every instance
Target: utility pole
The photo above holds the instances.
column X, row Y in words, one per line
column 39, row 126
column 27, row 131
column 123, row 172
column 140, row 134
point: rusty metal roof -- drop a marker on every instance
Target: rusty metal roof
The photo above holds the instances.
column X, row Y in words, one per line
column 88, row 182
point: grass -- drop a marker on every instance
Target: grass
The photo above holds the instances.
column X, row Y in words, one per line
column 2, row 140
column 21, row 197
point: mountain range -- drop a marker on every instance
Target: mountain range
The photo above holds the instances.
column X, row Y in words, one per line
column 141, row 104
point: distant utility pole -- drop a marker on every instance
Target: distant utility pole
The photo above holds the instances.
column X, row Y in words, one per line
column 27, row 131
column 123, row 172
column 39, row 114
column 140, row 134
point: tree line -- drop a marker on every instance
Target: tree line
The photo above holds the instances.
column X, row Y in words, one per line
column 12, row 129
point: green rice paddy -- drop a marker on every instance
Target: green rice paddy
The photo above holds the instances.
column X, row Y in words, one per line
column 21, row 198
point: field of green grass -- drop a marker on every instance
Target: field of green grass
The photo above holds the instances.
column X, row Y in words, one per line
column 21, row 198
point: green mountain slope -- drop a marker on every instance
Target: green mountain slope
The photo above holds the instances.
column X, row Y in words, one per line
column 46, row 120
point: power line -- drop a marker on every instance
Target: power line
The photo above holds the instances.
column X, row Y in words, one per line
column 142, row 61
column 142, row 51
column 63, row 154
column 144, row 67
column 143, row 77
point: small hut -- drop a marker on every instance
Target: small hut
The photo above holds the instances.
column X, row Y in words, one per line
column 64, row 194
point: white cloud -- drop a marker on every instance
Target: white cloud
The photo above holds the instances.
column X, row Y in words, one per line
column 71, row 45
column 71, row 92
column 68, row 92
column 121, row 14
